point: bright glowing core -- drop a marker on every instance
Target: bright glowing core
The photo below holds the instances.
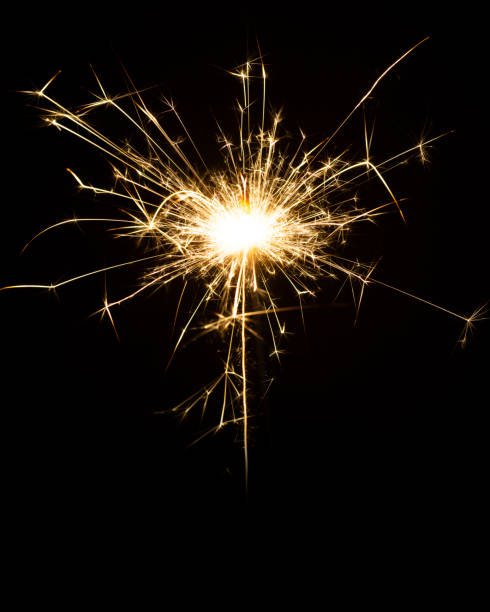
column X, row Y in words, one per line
column 240, row 230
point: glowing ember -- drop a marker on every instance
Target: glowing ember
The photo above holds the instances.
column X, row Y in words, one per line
column 239, row 231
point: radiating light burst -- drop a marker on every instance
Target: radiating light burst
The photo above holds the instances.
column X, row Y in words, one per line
column 264, row 214
column 241, row 230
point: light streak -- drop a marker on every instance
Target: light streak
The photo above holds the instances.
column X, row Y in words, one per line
column 262, row 215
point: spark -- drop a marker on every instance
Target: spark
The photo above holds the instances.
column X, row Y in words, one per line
column 263, row 215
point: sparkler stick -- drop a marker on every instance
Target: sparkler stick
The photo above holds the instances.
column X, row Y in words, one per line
column 264, row 215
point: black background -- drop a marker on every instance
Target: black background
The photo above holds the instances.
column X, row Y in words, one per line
column 383, row 421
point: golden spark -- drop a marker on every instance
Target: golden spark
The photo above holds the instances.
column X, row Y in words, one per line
column 265, row 213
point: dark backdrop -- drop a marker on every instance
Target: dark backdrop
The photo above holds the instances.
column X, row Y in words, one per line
column 384, row 420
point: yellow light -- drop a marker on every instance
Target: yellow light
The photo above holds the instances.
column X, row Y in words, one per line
column 239, row 230
column 291, row 211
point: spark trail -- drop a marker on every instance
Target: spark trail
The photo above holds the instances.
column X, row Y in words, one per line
column 263, row 214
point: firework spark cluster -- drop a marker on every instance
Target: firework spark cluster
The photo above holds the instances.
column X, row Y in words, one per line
column 265, row 213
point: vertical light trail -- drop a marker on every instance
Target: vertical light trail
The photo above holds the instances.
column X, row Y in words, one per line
column 244, row 371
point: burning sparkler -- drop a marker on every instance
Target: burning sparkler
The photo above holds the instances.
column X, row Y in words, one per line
column 264, row 214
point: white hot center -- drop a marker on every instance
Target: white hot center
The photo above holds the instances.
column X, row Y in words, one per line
column 240, row 230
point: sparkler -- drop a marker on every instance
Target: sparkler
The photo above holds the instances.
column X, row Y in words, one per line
column 264, row 214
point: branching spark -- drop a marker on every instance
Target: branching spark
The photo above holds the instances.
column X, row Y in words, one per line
column 263, row 215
